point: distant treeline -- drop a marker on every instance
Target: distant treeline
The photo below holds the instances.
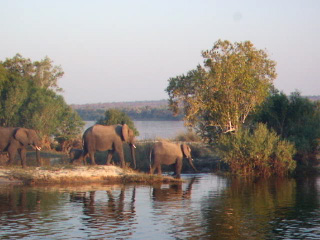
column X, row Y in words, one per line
column 313, row 98
column 137, row 110
column 146, row 113
column 122, row 105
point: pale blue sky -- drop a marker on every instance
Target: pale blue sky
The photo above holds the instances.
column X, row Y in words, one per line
column 122, row 50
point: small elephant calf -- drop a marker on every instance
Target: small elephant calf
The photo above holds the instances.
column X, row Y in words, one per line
column 75, row 155
column 168, row 153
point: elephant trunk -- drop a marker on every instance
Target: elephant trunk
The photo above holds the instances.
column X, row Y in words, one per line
column 133, row 155
column 191, row 163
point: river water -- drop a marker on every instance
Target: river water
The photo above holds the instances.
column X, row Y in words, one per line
column 205, row 206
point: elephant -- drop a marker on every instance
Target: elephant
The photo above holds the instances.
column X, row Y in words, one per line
column 111, row 138
column 13, row 139
column 165, row 152
column 75, row 154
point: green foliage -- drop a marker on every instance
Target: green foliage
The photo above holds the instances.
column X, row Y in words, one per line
column 219, row 96
column 28, row 99
column 42, row 73
column 294, row 118
column 259, row 152
column 115, row 116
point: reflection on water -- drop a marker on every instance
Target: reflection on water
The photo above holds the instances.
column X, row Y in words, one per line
column 204, row 207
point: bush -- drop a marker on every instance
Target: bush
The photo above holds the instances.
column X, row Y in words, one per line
column 294, row 118
column 258, row 152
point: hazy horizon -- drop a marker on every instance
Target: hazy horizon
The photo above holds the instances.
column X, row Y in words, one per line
column 120, row 51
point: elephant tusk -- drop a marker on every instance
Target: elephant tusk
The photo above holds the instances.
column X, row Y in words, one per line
column 134, row 146
column 38, row 148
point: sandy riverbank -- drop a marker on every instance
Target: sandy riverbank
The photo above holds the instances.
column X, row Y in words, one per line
column 76, row 175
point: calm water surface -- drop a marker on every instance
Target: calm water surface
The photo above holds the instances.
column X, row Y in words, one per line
column 206, row 206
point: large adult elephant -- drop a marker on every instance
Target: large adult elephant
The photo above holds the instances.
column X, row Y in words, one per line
column 169, row 153
column 17, row 139
column 111, row 138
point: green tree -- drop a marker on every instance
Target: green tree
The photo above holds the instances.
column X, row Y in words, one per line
column 42, row 73
column 115, row 116
column 218, row 96
column 28, row 98
column 294, row 118
column 13, row 95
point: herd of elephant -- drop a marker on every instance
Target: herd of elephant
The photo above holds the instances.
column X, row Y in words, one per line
column 97, row 138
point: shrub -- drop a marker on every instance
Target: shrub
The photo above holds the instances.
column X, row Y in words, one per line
column 258, row 152
column 294, row 118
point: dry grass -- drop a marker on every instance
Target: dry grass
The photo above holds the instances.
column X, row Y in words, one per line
column 78, row 175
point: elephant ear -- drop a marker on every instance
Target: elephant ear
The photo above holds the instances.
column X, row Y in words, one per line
column 125, row 132
column 22, row 136
column 185, row 149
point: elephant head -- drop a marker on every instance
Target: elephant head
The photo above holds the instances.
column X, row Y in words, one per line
column 128, row 137
column 186, row 150
column 28, row 137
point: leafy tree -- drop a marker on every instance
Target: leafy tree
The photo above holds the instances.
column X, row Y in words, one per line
column 218, row 97
column 294, row 118
column 42, row 73
column 28, row 98
column 13, row 95
column 115, row 116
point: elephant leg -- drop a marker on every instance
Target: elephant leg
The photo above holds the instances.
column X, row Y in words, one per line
column 91, row 155
column 109, row 156
column 121, row 156
column 84, row 159
column 159, row 169
column 12, row 151
column 178, row 167
column 152, row 169
column 84, row 156
column 23, row 156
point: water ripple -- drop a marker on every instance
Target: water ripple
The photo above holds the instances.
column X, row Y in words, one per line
column 204, row 207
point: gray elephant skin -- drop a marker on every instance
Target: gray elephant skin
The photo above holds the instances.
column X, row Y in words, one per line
column 169, row 153
column 75, row 154
column 108, row 138
column 17, row 139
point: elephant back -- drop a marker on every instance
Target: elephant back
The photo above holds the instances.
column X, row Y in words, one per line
column 167, row 147
column 105, row 132
column 6, row 134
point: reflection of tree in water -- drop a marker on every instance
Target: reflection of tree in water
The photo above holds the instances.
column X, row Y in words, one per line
column 255, row 209
column 110, row 212
column 173, row 209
